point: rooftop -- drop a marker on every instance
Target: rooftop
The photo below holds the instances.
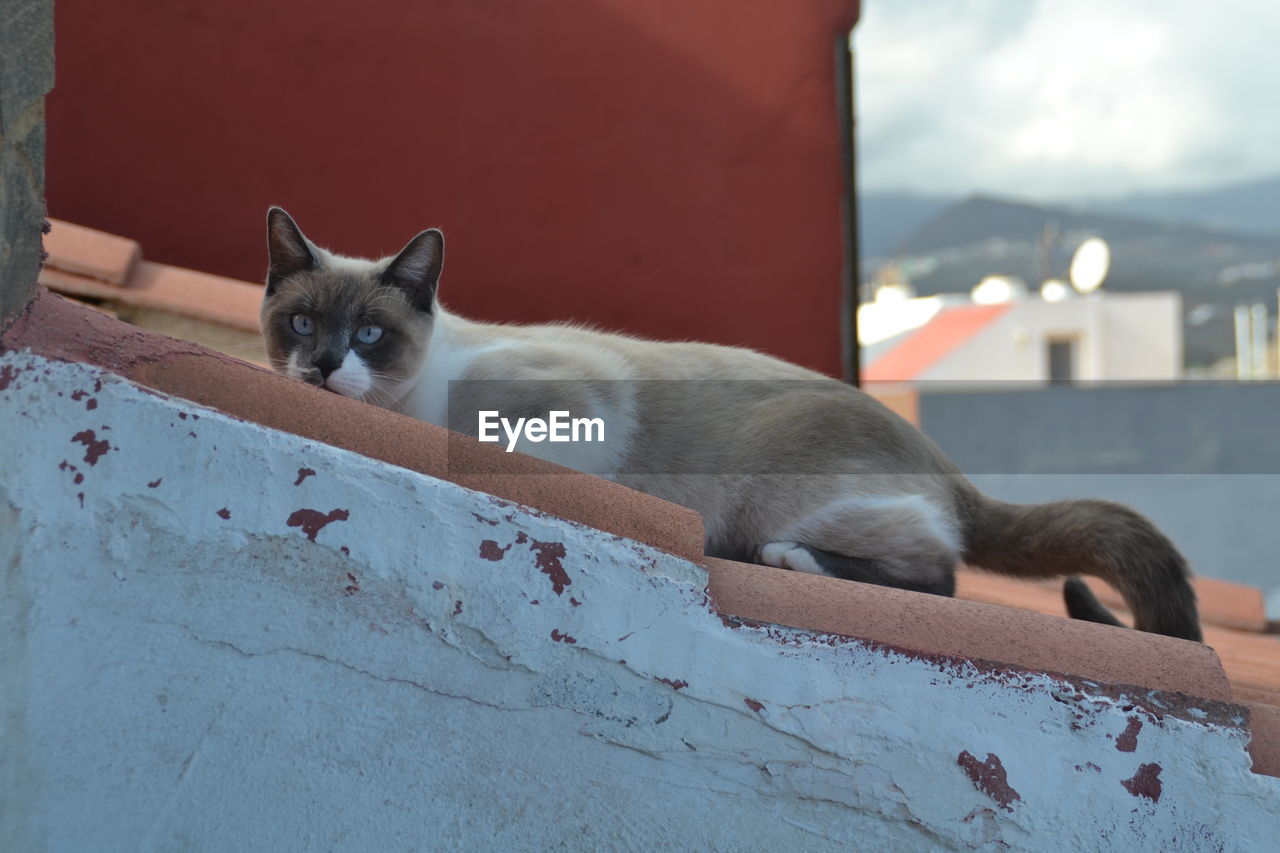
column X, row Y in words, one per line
column 1006, row 622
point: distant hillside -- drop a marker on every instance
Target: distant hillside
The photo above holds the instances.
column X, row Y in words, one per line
column 886, row 219
column 1248, row 208
column 980, row 218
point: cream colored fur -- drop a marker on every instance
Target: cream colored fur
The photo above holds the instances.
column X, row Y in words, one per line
column 787, row 467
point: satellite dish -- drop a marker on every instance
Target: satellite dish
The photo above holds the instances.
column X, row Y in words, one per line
column 1055, row 290
column 1089, row 265
column 998, row 289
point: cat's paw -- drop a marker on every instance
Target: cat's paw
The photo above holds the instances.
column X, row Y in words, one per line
column 790, row 555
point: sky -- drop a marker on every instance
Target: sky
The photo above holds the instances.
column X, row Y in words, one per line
column 1066, row 99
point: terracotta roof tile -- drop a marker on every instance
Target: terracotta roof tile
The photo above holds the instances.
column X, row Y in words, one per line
column 92, row 264
column 1251, row 659
column 87, row 252
column 966, row 629
column 931, row 342
column 1265, row 746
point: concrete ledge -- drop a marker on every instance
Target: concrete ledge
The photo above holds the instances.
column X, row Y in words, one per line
column 206, row 644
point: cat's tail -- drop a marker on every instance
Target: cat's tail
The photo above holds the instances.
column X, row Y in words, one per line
column 1091, row 537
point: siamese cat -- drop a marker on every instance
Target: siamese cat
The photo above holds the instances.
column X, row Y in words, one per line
column 788, row 468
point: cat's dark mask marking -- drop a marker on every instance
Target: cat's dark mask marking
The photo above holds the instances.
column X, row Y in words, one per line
column 339, row 297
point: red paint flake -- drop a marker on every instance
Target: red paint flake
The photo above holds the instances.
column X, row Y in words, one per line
column 437, row 585
column 79, row 395
column 97, row 386
column 313, row 521
column 561, row 638
column 535, row 601
column 1128, row 739
column 521, row 538
column 182, row 415
column 7, row 375
column 92, row 404
column 1145, row 783
column 492, row 522
column 575, row 602
column 303, row 473
column 457, row 608
column 79, row 478
column 153, row 484
column 353, row 587
column 989, row 778
column 548, row 560
column 80, row 495
column 192, row 434
column 753, row 704
column 678, row 684
column 224, row 513
column 93, row 447
column 490, row 550
column 345, row 550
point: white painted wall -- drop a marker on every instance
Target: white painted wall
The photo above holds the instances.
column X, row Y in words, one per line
column 184, row 669
column 1120, row 336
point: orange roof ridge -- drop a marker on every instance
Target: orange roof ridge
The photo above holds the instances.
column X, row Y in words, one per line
column 1251, row 659
column 90, row 253
column 96, row 265
column 924, row 347
column 967, row 629
column 63, row 329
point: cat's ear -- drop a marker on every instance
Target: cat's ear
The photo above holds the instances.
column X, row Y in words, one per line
column 416, row 270
column 290, row 252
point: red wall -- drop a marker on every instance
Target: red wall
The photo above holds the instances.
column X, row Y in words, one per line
column 666, row 167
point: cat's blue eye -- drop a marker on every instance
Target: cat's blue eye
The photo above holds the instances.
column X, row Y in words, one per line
column 302, row 324
column 369, row 334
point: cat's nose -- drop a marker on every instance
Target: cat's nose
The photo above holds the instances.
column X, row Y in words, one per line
column 327, row 362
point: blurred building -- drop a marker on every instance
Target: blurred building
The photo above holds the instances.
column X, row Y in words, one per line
column 1104, row 336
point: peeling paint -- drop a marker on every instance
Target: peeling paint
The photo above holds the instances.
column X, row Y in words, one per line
column 1128, row 739
column 224, row 513
column 989, row 777
column 489, row 550
column 313, row 521
column 1145, row 782
column 303, row 473
column 561, row 637
column 94, row 447
column 549, row 556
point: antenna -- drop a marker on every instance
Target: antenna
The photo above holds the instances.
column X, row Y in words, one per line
column 1089, row 265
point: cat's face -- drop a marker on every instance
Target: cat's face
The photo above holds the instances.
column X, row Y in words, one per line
column 359, row 328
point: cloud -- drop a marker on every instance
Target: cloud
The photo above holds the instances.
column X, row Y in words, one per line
column 1066, row 98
